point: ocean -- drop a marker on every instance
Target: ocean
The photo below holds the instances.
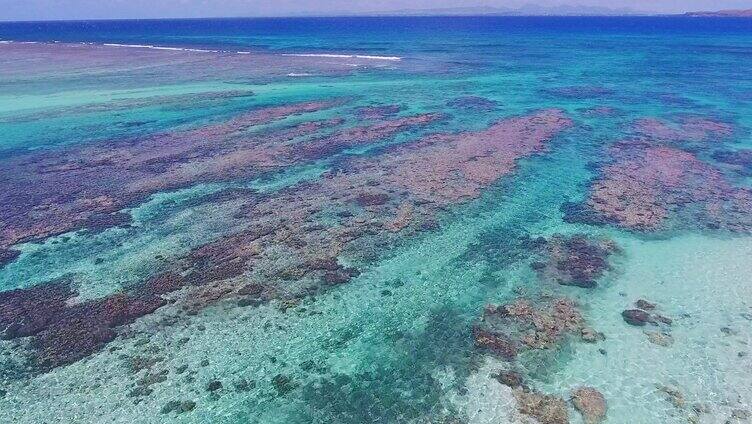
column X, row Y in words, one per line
column 376, row 220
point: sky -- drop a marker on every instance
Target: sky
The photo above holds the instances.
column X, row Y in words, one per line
column 11, row 10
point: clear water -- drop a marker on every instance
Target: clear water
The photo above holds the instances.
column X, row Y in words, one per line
column 395, row 343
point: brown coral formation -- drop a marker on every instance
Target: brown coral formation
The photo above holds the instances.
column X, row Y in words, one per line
column 358, row 136
column 521, row 325
column 378, row 112
column 546, row 409
column 648, row 185
column 590, row 403
column 62, row 332
column 690, row 129
column 85, row 187
column 575, row 261
column 48, row 193
column 451, row 168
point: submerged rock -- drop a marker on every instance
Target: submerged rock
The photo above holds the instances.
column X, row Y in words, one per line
column 590, row 403
column 673, row 395
column 591, row 336
column 636, row 317
column 507, row 329
column 509, row 378
column 178, row 406
column 213, row 386
column 660, row 338
column 547, row 409
column 498, row 344
column 284, row 384
column 7, row 256
column 644, row 305
column 372, row 199
column 574, row 260
column 741, row 414
column 662, row 319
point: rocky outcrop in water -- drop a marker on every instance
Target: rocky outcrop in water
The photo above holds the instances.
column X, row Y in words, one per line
column 546, row 409
column 508, row 329
column 590, row 403
column 575, row 260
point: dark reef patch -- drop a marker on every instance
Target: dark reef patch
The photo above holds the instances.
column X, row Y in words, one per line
column 740, row 160
column 378, row 112
column 476, row 103
column 360, row 136
column 400, row 389
column 63, row 333
column 580, row 92
column 7, row 256
column 685, row 129
column 575, row 260
column 509, row 329
column 48, row 193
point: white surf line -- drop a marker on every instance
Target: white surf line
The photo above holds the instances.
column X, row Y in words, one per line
column 344, row 56
column 180, row 49
column 243, row 52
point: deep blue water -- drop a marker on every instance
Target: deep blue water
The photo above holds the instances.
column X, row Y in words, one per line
column 366, row 34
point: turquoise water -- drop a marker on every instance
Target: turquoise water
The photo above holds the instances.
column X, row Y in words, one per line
column 124, row 161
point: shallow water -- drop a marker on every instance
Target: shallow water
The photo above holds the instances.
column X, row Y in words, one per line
column 333, row 262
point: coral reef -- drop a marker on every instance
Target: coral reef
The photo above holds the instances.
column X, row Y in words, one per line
column 52, row 192
column 63, row 332
column 688, row 129
column 575, row 261
column 648, row 185
column 508, row 329
column 590, row 403
column 378, row 112
column 546, row 409
column 286, row 251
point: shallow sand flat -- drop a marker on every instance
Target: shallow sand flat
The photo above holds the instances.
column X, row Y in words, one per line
column 702, row 283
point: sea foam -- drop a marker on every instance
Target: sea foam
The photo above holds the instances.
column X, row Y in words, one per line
column 345, row 56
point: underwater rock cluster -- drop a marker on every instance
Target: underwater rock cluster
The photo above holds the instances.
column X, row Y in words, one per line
column 575, row 261
column 506, row 331
column 511, row 328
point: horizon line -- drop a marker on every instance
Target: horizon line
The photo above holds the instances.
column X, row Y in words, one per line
column 388, row 15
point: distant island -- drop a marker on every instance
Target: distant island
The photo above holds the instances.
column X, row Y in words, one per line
column 535, row 10
column 731, row 13
column 527, row 10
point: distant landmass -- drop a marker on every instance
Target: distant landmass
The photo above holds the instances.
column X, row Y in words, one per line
column 523, row 11
column 735, row 13
column 528, row 10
